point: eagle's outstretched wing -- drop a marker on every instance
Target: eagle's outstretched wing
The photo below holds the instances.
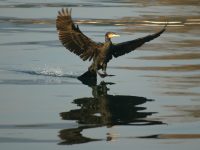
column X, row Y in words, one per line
column 72, row 38
column 126, row 47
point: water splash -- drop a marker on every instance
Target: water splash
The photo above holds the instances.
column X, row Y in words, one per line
column 48, row 71
column 55, row 72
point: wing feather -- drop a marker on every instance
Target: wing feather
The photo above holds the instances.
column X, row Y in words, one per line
column 72, row 38
column 126, row 47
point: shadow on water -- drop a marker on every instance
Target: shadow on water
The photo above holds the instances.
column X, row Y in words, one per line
column 107, row 110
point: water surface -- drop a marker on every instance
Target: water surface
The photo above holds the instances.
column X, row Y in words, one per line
column 152, row 102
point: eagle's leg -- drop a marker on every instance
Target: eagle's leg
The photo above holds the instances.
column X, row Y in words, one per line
column 104, row 69
column 93, row 68
column 104, row 66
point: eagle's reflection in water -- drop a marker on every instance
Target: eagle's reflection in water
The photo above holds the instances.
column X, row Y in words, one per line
column 104, row 110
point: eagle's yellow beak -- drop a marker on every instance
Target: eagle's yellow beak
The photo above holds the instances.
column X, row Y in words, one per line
column 114, row 35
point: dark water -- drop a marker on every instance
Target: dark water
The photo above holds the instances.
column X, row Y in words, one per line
column 152, row 102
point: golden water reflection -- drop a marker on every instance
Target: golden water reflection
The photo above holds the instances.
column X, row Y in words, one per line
column 158, row 2
column 183, row 113
column 177, row 68
column 174, row 136
column 181, row 56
